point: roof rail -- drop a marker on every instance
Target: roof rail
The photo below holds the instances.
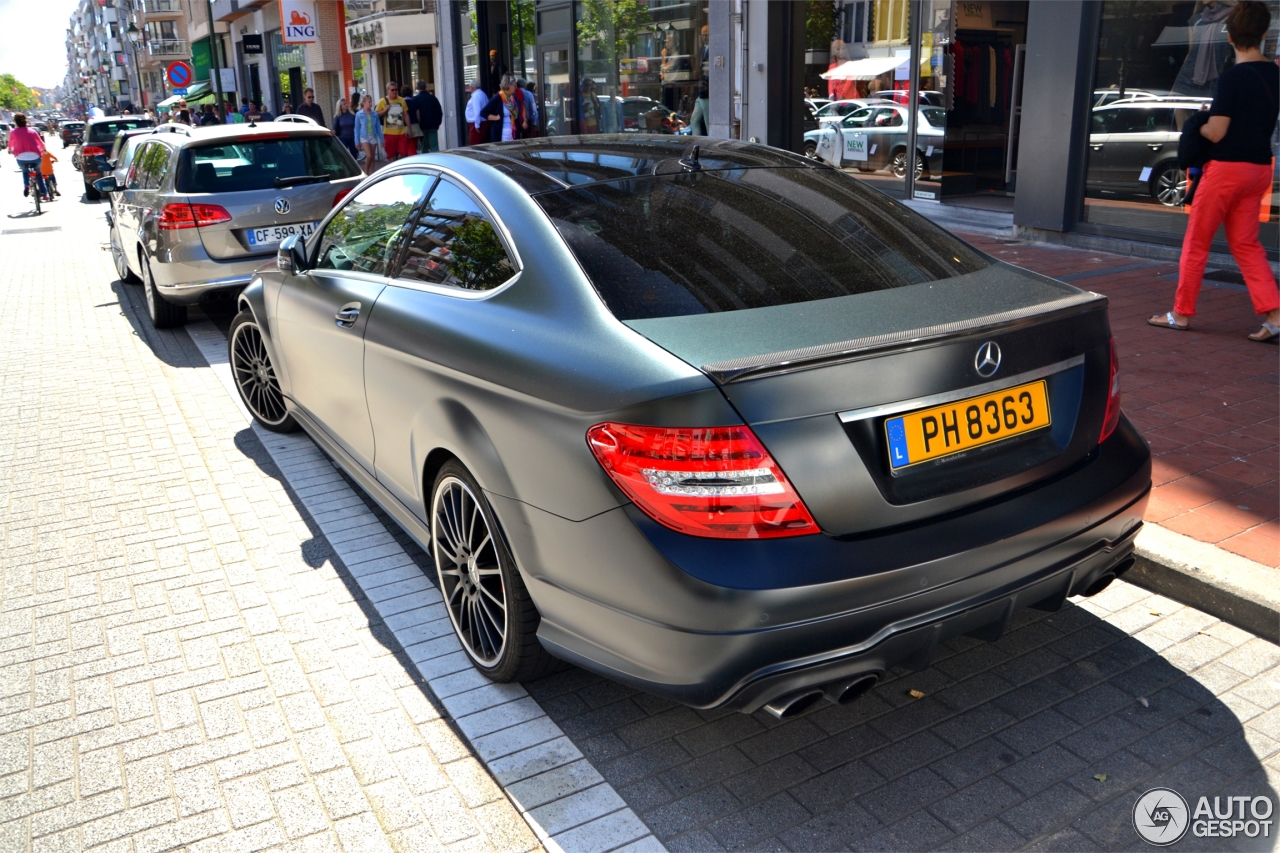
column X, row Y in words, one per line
column 173, row 127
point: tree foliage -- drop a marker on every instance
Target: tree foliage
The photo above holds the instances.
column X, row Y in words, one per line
column 819, row 24
column 614, row 24
column 16, row 95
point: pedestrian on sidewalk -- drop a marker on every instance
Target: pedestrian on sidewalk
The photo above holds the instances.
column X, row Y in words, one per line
column 344, row 127
column 506, row 112
column 1236, row 177
column 394, row 113
column 310, row 108
column 208, row 117
column 426, row 112
column 476, row 131
column 368, row 134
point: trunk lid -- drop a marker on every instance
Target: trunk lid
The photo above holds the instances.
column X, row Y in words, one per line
column 255, row 210
column 819, row 382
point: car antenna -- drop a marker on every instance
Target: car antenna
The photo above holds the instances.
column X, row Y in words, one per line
column 690, row 161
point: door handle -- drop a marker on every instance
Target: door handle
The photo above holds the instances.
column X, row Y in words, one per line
column 1097, row 147
column 1155, row 146
column 347, row 315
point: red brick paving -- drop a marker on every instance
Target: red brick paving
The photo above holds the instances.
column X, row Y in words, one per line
column 1206, row 399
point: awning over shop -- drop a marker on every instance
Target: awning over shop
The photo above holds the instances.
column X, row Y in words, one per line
column 864, row 69
column 195, row 93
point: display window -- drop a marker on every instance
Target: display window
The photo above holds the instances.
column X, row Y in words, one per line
column 1158, row 64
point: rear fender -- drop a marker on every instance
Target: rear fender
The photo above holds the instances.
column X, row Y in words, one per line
column 451, row 428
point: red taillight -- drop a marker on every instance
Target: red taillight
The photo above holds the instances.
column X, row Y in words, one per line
column 340, row 196
column 180, row 215
column 1112, row 418
column 718, row 482
column 92, row 151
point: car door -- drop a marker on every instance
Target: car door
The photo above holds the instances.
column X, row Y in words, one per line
column 322, row 313
column 1139, row 139
column 1100, row 122
column 883, row 130
column 127, row 210
column 420, row 337
column 148, row 200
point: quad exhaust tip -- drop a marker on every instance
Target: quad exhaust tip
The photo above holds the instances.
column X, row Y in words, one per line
column 840, row 692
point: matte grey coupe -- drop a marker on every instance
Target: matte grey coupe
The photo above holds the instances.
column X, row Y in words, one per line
column 719, row 422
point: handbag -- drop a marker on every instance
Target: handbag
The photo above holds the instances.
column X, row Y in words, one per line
column 414, row 131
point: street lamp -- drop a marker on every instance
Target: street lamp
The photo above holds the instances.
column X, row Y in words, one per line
column 134, row 34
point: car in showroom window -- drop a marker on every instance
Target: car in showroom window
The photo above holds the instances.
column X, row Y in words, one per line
column 712, row 419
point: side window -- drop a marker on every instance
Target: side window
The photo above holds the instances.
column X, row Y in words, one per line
column 455, row 244
column 157, row 166
column 857, row 119
column 138, row 171
column 1103, row 120
column 365, row 234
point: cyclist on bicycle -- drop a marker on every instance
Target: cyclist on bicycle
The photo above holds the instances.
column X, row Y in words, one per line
column 26, row 146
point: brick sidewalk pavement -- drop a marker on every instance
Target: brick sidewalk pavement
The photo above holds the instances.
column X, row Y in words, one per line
column 1206, row 400
column 183, row 665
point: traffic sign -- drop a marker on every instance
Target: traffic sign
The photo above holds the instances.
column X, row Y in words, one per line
column 179, row 73
column 180, row 90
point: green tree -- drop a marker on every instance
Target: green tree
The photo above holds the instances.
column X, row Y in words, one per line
column 15, row 95
column 614, row 24
column 819, row 24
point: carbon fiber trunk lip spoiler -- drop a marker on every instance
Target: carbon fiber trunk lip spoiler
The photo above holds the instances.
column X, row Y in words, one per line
column 786, row 361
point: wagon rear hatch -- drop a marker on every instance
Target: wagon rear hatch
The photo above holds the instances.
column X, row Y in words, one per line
column 894, row 372
column 262, row 187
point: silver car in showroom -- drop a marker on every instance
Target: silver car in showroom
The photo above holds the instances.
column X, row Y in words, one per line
column 712, row 419
column 201, row 208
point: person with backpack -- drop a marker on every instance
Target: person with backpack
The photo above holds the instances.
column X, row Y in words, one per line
column 1235, row 177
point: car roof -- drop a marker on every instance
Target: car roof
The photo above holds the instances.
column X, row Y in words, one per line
column 119, row 118
column 553, row 163
column 181, row 134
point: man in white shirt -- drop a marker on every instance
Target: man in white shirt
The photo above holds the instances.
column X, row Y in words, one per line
column 474, row 113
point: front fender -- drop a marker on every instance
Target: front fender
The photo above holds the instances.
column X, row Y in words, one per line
column 259, row 298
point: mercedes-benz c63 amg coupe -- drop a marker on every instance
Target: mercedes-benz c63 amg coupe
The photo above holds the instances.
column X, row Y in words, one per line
column 714, row 420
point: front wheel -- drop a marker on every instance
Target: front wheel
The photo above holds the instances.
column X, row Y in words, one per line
column 1169, row 186
column 163, row 313
column 899, row 164
column 255, row 376
column 488, row 604
column 811, row 150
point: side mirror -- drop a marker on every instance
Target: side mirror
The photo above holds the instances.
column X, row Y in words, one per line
column 106, row 185
column 292, row 255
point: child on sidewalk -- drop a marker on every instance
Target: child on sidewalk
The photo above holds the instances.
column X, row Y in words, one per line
column 46, row 170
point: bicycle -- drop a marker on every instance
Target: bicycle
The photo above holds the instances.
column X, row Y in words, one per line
column 32, row 172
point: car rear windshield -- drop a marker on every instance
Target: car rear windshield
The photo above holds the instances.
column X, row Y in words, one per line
column 730, row 240
column 254, row 164
column 105, row 131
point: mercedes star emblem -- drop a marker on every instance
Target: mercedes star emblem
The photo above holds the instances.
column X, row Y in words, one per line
column 282, row 206
column 987, row 361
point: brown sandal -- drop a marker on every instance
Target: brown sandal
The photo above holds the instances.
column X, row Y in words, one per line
column 1166, row 321
column 1266, row 334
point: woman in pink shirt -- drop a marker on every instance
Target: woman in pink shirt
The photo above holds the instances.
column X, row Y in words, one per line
column 26, row 146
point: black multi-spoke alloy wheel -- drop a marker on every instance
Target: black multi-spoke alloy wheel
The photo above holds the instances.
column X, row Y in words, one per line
column 488, row 604
column 163, row 313
column 121, row 260
column 899, row 164
column 254, row 375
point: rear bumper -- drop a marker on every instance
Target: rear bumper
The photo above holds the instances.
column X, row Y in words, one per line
column 186, row 275
column 612, row 602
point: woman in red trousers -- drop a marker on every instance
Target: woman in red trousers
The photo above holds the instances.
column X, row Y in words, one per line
column 1237, row 176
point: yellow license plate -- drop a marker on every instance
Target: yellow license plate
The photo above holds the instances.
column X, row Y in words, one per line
column 963, row 425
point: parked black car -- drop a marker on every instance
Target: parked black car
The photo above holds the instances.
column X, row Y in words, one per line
column 722, row 423
column 71, row 132
column 92, row 156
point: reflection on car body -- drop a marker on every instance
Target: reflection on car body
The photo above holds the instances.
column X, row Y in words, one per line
column 636, row 412
column 875, row 137
column 1133, row 148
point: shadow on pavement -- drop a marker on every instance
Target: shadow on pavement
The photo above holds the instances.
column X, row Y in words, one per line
column 169, row 345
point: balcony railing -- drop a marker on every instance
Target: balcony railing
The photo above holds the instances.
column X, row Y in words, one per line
column 160, row 7
column 403, row 6
column 167, row 47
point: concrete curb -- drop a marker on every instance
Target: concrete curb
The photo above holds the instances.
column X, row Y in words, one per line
column 1236, row 590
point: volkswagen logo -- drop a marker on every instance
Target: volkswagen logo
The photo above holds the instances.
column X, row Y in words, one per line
column 987, row 361
column 282, row 206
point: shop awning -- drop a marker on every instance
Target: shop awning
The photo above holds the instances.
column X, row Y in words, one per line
column 864, row 69
column 194, row 93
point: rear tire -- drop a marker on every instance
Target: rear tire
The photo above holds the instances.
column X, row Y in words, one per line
column 89, row 192
column 255, row 376
column 163, row 314
column 811, row 150
column 486, row 599
column 1169, row 185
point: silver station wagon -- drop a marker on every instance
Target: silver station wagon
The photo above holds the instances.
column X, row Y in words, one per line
column 200, row 209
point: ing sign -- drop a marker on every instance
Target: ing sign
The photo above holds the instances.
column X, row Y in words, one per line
column 298, row 21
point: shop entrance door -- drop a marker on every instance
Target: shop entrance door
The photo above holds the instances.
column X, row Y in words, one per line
column 556, row 90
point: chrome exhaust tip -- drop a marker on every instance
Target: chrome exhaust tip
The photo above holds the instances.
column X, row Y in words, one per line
column 850, row 689
column 793, row 704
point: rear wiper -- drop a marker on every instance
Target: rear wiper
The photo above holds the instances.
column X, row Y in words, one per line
column 301, row 179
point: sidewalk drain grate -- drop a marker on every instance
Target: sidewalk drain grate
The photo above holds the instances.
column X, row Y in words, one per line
column 30, row 230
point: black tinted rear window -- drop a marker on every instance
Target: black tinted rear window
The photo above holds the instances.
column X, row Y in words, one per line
column 105, row 131
column 747, row 238
column 254, row 164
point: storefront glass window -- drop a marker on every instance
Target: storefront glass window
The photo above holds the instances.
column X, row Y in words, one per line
column 1158, row 63
column 640, row 66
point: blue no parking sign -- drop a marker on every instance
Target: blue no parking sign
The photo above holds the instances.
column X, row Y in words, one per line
column 179, row 74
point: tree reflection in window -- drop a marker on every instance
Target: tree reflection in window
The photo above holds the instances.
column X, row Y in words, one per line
column 455, row 244
column 366, row 234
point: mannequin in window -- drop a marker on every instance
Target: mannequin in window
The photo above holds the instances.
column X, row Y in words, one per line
column 1208, row 51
